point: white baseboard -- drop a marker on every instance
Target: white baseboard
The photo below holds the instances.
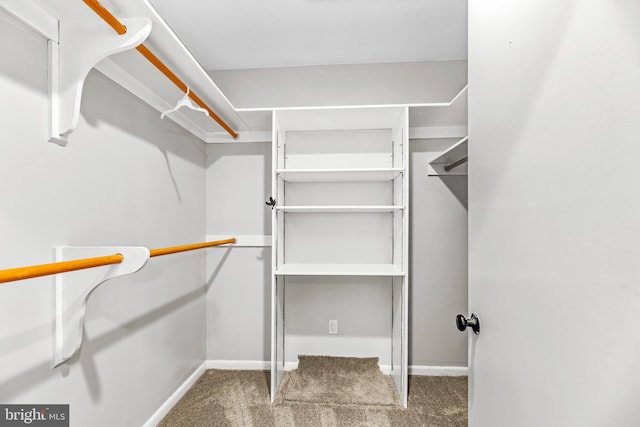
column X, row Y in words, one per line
column 433, row 371
column 290, row 366
column 241, row 365
column 439, row 371
column 175, row 397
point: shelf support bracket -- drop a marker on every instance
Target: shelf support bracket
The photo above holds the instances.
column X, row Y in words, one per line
column 72, row 291
column 81, row 45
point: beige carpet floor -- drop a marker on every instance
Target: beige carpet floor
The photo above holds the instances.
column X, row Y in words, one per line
column 241, row 398
column 339, row 380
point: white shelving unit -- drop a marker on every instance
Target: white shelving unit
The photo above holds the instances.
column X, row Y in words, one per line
column 340, row 181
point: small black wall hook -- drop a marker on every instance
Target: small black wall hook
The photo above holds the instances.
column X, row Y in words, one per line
column 271, row 202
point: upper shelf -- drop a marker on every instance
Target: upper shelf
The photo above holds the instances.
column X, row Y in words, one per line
column 452, row 161
column 132, row 71
column 426, row 120
column 338, row 175
column 338, row 270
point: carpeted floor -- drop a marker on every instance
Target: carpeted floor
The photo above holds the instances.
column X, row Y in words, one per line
column 339, row 380
column 241, row 398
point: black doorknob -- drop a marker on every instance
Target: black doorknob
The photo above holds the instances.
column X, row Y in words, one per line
column 463, row 323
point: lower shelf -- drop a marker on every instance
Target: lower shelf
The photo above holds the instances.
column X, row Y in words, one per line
column 338, row 270
column 320, row 209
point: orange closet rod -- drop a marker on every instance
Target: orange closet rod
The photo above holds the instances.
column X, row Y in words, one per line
column 30, row 272
column 176, row 249
column 121, row 29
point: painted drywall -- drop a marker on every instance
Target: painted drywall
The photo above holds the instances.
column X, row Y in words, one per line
column 238, row 181
column 239, row 281
column 554, row 208
column 249, row 34
column 438, row 260
column 362, row 306
column 125, row 178
column 333, row 85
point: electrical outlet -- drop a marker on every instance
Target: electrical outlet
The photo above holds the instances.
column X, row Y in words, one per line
column 333, row 326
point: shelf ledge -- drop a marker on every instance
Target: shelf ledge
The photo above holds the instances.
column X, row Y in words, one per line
column 338, row 270
column 339, row 175
column 321, row 209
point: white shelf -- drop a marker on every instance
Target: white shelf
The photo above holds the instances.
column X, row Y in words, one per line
column 338, row 270
column 454, row 153
column 320, row 209
column 338, row 175
column 447, row 115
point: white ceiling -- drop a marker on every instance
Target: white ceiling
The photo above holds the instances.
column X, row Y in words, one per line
column 240, row 34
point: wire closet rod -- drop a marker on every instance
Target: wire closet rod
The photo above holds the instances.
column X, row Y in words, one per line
column 121, row 29
column 456, row 163
column 33, row 271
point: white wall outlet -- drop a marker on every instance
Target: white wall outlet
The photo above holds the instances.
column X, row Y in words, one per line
column 333, row 326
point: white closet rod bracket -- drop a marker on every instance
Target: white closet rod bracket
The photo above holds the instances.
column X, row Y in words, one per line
column 73, row 289
column 81, row 45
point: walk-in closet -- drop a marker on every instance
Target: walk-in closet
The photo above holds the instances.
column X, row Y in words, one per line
column 319, row 213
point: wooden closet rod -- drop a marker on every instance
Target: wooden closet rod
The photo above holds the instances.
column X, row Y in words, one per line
column 183, row 248
column 30, row 272
column 121, row 29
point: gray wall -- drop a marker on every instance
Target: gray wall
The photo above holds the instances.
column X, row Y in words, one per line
column 126, row 178
column 438, row 250
column 332, row 85
column 238, row 183
column 554, row 212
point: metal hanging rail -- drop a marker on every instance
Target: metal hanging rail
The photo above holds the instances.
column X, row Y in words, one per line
column 456, row 163
column 33, row 271
column 121, row 29
column 30, row 272
column 183, row 248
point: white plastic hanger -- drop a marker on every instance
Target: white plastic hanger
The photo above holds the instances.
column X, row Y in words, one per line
column 185, row 102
